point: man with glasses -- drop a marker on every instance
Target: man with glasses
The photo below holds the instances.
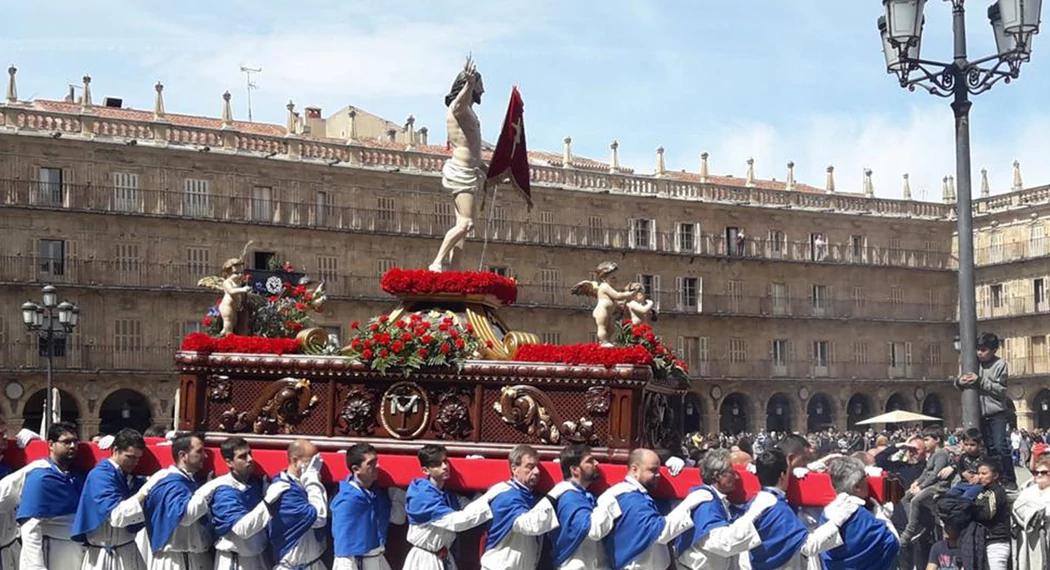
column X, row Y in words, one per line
column 49, row 503
column 110, row 513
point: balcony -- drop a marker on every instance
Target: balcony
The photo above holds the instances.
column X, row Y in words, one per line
column 88, row 357
column 308, row 214
column 806, row 369
column 1013, row 306
column 1012, row 252
column 1034, row 365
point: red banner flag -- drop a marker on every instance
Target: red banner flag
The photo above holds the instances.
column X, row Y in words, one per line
column 511, row 152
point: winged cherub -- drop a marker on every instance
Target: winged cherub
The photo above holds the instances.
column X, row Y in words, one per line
column 604, row 290
column 639, row 306
column 231, row 283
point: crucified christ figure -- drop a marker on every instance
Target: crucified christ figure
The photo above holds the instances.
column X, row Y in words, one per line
column 464, row 173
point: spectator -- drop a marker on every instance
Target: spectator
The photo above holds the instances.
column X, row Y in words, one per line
column 993, row 512
column 990, row 382
column 929, row 483
column 1030, row 517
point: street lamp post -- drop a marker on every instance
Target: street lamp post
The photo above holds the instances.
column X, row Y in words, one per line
column 41, row 320
column 1014, row 23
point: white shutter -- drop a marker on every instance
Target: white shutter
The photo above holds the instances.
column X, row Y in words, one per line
column 701, row 356
column 678, row 236
column 679, row 293
column 697, row 247
column 680, row 347
column 699, row 294
column 656, row 292
column 630, row 233
column 652, row 234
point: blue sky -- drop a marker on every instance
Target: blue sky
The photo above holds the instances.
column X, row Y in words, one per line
column 774, row 80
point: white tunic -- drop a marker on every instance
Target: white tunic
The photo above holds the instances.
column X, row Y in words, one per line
column 244, row 546
column 112, row 534
column 190, row 545
column 520, row 549
column 607, row 514
column 10, row 498
column 309, row 548
column 375, row 559
column 428, row 539
column 589, row 555
column 822, row 538
column 47, row 543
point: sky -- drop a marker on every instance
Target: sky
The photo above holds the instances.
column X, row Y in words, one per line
column 779, row 81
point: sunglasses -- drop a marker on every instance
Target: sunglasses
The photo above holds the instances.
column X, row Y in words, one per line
column 1041, row 472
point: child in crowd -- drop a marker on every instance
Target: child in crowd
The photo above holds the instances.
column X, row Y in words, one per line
column 990, row 383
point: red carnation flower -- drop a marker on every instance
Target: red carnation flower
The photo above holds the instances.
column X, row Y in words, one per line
column 415, row 317
column 367, row 344
column 445, row 348
column 650, row 337
column 427, row 338
column 356, row 343
column 406, row 337
column 287, row 285
column 207, row 321
column 459, row 343
column 366, row 354
column 373, row 327
column 422, row 353
column 489, row 343
column 453, row 333
column 300, row 306
column 398, row 346
column 383, row 318
column 470, row 328
column 299, row 290
column 355, row 325
column 400, row 324
column 443, row 328
column 273, row 298
column 637, row 333
column 383, row 353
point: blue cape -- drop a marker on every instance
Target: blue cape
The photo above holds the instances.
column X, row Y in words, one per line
column 48, row 493
column 5, row 470
column 636, row 530
column 105, row 487
column 574, row 508
column 425, row 503
column 293, row 518
column 164, row 506
column 506, row 508
column 360, row 519
column 868, row 544
column 783, row 535
column 707, row 516
column 229, row 505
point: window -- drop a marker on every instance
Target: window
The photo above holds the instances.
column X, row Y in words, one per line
column 819, row 298
column 1039, row 294
column 736, row 242
column 328, row 268
column 688, row 293
column 818, row 247
column 859, row 297
column 933, row 354
column 735, row 289
column 198, row 261
column 385, row 214
column 857, row 248
column 383, row 265
column 443, row 216
column 52, row 257
column 779, row 353
column 127, row 258
column 503, row 271
column 262, row 204
column 595, row 231
column 651, row 285
column 701, row 358
column 190, row 327
column 1037, row 240
column 500, row 227
column 737, row 350
column 689, row 349
column 642, row 234
column 995, row 250
column 997, row 296
column 125, row 192
column 546, row 227
column 551, row 338
column 821, row 357
column 779, row 293
column 323, row 205
column 550, row 281
column 196, row 198
column 50, row 191
column 900, row 358
column 58, row 340
column 860, row 353
column 264, row 260
column 686, row 237
column 896, row 296
column 127, row 335
column 777, row 244
column 896, row 253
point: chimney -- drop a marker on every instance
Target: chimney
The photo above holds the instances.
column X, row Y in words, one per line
column 1018, row 185
column 291, row 120
column 869, row 188
column 315, row 125
column 12, row 90
column 790, row 184
column 614, row 160
column 410, row 131
column 227, row 111
column 985, row 189
column 352, row 124
column 566, row 154
column 907, row 187
column 158, row 102
column 750, row 180
column 660, row 170
column 704, row 178
column 85, row 102
column 423, row 136
column 829, row 184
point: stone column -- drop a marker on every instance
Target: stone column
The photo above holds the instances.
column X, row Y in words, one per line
column 1025, row 415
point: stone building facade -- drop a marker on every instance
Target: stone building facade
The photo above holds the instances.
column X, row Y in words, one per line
column 795, row 307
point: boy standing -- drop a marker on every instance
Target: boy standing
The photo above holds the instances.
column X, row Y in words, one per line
column 990, row 383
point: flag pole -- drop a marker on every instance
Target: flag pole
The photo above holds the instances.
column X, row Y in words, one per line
column 488, row 223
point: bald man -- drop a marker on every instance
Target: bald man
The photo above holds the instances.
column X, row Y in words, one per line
column 626, row 519
column 299, row 516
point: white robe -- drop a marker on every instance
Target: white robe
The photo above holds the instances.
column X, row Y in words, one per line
column 376, row 558
column 47, row 545
column 309, row 548
column 520, row 549
column 10, row 498
column 1030, row 514
column 428, row 539
column 244, row 546
column 190, row 545
column 607, row 514
column 113, row 533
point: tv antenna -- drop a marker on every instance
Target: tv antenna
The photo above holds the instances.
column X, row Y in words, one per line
column 248, row 71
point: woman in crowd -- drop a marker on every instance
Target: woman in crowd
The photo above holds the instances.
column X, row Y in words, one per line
column 1030, row 516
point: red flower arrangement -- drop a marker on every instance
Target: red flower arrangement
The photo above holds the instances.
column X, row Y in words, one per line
column 405, row 282
column 665, row 363
column 201, row 342
column 582, row 354
column 413, row 341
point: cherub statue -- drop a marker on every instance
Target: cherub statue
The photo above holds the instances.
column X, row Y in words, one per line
column 464, row 173
column 638, row 305
column 231, row 283
column 604, row 289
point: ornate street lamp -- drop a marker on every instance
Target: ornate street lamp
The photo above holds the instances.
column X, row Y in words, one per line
column 1014, row 23
column 41, row 319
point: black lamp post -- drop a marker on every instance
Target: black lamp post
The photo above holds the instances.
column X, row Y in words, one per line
column 1014, row 23
column 41, row 320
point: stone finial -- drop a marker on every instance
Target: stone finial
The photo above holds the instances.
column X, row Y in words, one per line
column 12, row 90
column 946, row 193
column 869, row 188
column 829, row 183
column 566, row 154
column 1018, row 184
column 704, row 177
column 423, row 132
column 158, row 101
column 790, row 184
column 907, row 187
column 951, row 188
column 391, row 135
column 614, row 159
column 986, row 190
column 352, row 124
column 227, row 111
column 85, row 101
column 660, row 167
column 410, row 130
column 290, row 125
column 749, row 181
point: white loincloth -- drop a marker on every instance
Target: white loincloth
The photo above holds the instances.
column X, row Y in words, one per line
column 459, row 180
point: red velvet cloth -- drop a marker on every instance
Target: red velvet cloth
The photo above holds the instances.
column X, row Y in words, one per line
column 467, row 474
